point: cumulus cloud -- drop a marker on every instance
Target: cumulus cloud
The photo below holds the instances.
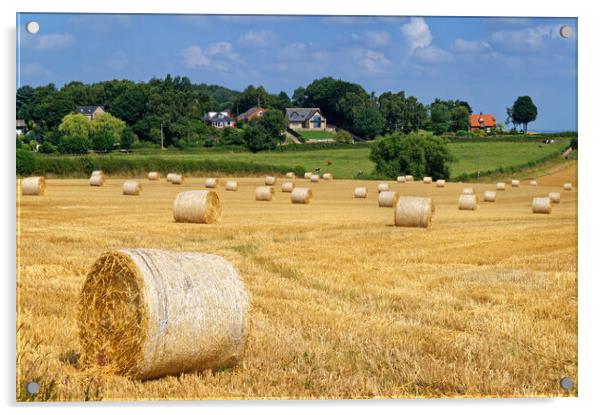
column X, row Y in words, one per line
column 527, row 39
column 417, row 33
column 469, row 46
column 219, row 55
column 433, row 54
column 194, row 57
column 371, row 61
column 259, row 38
column 49, row 41
column 373, row 39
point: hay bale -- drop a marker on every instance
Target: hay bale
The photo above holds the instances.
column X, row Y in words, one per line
column 409, row 178
column 327, row 176
column 468, row 191
column 211, row 183
column 33, row 186
column 360, row 193
column 533, row 183
column 414, row 212
column 98, row 173
column 301, row 195
column 554, row 197
column 440, row 183
column 147, row 313
column 307, row 175
column 383, row 187
column 153, row 175
column 541, row 205
column 288, row 187
column 401, row 179
column 197, row 206
column 232, row 185
column 489, row 196
column 568, row 186
column 314, row 178
column 270, row 180
column 177, row 179
column 387, row 199
column 170, row 176
column 97, row 180
column 131, row 188
column 500, row 186
column 427, row 180
column 264, row 193
column 515, row 183
column 468, row 202
column 290, row 175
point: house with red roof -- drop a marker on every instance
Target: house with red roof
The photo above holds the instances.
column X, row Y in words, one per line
column 485, row 122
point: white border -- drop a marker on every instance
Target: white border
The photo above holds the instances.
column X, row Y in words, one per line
column 590, row 240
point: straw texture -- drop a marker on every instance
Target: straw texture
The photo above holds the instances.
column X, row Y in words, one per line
column 542, row 205
column 270, row 180
column 440, row 183
column 131, row 188
column 170, row 176
column 360, row 192
column 489, row 196
column 427, row 180
column 314, row 178
column 147, row 313
column 533, row 183
column 290, row 175
column 327, row 176
column 387, row 199
column 383, row 187
column 211, row 183
column 301, row 195
column 401, row 179
column 197, row 206
column 307, row 175
column 232, row 185
column 515, row 183
column 153, row 175
column 554, row 197
column 468, row 191
column 568, row 186
column 33, row 186
column 264, row 193
column 98, row 173
column 416, row 212
column 97, row 180
column 500, row 186
column 287, row 187
column 468, row 202
column 409, row 178
column 177, row 179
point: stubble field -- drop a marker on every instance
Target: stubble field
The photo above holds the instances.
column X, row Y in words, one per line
column 344, row 304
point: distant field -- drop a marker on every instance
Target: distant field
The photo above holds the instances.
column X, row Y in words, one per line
column 316, row 135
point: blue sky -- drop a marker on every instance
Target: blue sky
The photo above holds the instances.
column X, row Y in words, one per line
column 485, row 61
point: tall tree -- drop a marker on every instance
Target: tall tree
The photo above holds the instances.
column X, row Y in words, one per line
column 460, row 118
column 523, row 111
column 440, row 118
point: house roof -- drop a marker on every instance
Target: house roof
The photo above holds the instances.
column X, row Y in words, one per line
column 223, row 116
column 88, row 109
column 301, row 114
column 487, row 120
column 248, row 113
column 21, row 124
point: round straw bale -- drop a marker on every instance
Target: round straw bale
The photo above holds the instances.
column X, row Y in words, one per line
column 288, row 187
column 554, row 197
column 409, row 178
column 170, row 176
column 568, row 186
column 33, row 186
column 147, row 313
column 401, row 179
column 468, row 191
column 197, row 206
column 533, row 183
column 327, row 176
column 301, row 195
column 232, row 185
column 98, row 173
column 387, row 199
column 264, row 193
column 515, row 183
column 211, row 183
column 440, row 183
column 307, row 175
column 489, row 196
column 468, row 202
column 360, row 192
column 542, row 205
column 132, row 188
column 414, row 212
column 270, row 180
column 427, row 180
column 290, row 175
column 153, row 175
column 500, row 186
column 314, row 178
column 383, row 187
column 97, row 180
column 177, row 179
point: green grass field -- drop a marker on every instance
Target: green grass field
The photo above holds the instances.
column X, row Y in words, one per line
column 316, row 135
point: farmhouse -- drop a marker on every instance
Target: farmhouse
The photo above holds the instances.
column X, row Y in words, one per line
column 485, row 122
column 21, row 127
column 221, row 119
column 90, row 111
column 251, row 114
column 305, row 119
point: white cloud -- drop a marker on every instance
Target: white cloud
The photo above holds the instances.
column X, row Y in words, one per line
column 372, row 61
column 433, row 54
column 219, row 55
column 373, row 39
column 417, row 33
column 469, row 46
column 194, row 57
column 50, row 41
column 260, row 38
column 528, row 39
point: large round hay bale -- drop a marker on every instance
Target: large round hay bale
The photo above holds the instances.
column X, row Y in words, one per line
column 515, row 183
column 409, row 178
column 387, row 199
column 197, row 206
column 327, row 176
column 414, row 212
column 177, row 179
column 33, row 186
column 554, row 197
column 147, row 313
column 468, row 191
column 542, row 205
column 290, row 175
column 232, row 185
column 500, row 186
column 170, row 176
column 131, row 188
column 360, row 192
column 97, row 180
column 264, row 193
column 287, row 187
column 427, row 180
column 301, row 195
column 468, row 202
column 401, row 179
column 568, row 186
column 270, row 180
column 383, row 187
column 533, row 183
column 489, row 196
column 440, row 183
column 153, row 175
column 211, row 183
column 98, row 173
column 307, row 175
column 314, row 178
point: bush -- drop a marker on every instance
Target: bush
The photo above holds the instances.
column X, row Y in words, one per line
column 461, row 133
column 103, row 140
column 47, row 147
column 257, row 138
column 343, row 136
column 234, row 136
column 74, row 145
column 19, row 143
column 574, row 143
column 25, row 162
column 127, row 138
column 413, row 154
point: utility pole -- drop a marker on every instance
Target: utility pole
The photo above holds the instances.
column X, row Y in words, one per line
column 162, row 147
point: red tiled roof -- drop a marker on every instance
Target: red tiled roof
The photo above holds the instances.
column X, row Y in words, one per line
column 487, row 120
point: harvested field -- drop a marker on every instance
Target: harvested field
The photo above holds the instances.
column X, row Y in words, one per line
column 343, row 303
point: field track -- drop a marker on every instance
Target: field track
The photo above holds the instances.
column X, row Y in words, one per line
column 344, row 304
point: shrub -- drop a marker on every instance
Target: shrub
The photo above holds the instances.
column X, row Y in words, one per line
column 343, row 136
column 47, row 147
column 127, row 138
column 19, row 143
column 257, row 138
column 103, row 140
column 574, row 143
column 25, row 162
column 461, row 133
column 74, row 144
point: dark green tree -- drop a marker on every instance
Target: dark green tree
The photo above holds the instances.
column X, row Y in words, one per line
column 129, row 106
column 127, row 138
column 440, row 118
column 460, row 118
column 257, row 138
column 273, row 122
column 103, row 141
column 523, row 111
column 74, row 144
